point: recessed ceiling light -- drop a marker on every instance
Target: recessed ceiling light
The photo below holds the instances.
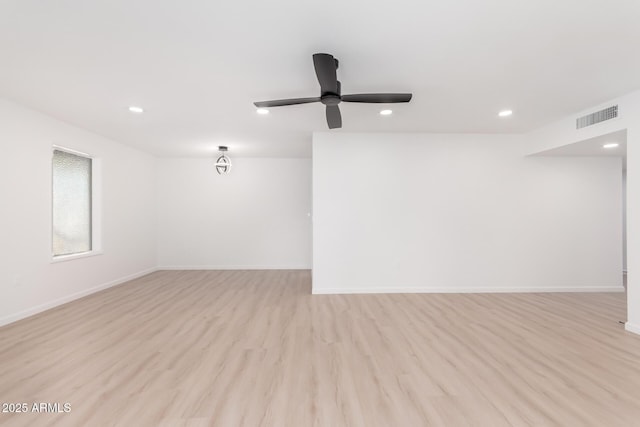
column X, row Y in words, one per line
column 135, row 109
column 386, row 112
column 505, row 113
column 610, row 145
column 262, row 111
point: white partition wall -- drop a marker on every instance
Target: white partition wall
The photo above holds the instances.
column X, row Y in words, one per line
column 633, row 228
column 461, row 213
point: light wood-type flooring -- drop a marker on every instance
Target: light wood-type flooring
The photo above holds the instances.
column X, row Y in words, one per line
column 255, row 348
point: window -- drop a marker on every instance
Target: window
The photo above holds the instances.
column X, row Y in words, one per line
column 72, row 203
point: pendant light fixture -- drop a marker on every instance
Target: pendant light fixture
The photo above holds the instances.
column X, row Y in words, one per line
column 223, row 164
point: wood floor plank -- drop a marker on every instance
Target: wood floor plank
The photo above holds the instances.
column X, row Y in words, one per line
column 255, row 348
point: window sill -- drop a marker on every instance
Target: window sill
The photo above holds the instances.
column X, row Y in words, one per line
column 63, row 258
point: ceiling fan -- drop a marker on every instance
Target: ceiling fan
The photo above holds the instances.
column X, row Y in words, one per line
column 330, row 92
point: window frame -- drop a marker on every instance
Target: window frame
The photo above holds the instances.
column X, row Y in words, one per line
column 96, row 207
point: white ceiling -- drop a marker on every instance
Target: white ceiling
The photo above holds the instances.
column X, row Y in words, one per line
column 197, row 66
column 592, row 147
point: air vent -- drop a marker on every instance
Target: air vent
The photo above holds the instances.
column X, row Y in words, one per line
column 597, row 117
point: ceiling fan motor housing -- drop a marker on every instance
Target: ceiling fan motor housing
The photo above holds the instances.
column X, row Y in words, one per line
column 330, row 98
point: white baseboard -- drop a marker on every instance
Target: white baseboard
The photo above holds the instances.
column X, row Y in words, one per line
column 234, row 267
column 454, row 290
column 59, row 301
column 631, row 327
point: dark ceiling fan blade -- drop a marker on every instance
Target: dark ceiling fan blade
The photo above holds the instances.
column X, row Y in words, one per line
column 283, row 102
column 377, row 97
column 334, row 118
column 325, row 66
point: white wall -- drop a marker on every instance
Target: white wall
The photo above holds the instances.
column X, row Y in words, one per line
column 563, row 132
column 29, row 282
column 633, row 226
column 456, row 213
column 624, row 219
column 252, row 218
